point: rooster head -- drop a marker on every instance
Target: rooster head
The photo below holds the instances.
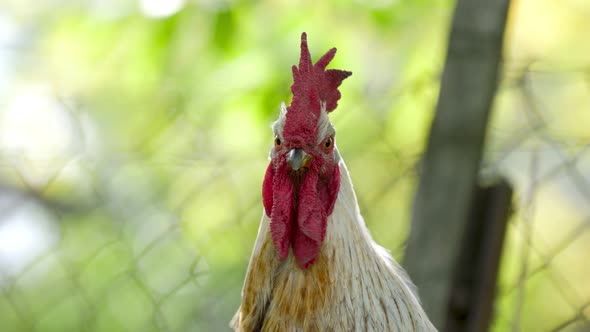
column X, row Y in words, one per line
column 302, row 180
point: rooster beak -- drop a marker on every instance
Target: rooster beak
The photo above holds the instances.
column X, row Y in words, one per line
column 297, row 158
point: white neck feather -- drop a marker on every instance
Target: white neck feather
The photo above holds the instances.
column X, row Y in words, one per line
column 376, row 283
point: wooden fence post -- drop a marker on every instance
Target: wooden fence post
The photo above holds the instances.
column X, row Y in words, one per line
column 452, row 158
column 474, row 284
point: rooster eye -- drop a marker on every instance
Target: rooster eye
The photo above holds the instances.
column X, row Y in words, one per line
column 328, row 143
column 278, row 142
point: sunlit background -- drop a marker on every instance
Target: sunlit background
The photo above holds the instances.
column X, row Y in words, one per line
column 134, row 136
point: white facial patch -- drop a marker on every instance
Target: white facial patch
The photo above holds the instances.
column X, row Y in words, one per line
column 325, row 127
column 277, row 126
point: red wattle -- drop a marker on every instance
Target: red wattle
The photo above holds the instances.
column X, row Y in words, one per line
column 305, row 250
column 311, row 215
column 267, row 189
column 282, row 211
column 311, row 221
column 332, row 190
column 315, row 202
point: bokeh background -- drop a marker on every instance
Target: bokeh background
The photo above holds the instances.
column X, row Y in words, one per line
column 134, row 136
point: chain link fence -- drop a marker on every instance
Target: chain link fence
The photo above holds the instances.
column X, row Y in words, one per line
column 137, row 211
column 545, row 153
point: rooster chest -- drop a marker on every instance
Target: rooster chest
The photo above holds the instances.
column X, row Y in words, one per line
column 300, row 298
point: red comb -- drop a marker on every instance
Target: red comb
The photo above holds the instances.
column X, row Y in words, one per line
column 312, row 86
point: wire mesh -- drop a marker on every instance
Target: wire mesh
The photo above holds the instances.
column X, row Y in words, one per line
column 548, row 165
column 140, row 210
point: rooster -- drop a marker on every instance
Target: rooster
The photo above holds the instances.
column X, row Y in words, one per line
column 314, row 266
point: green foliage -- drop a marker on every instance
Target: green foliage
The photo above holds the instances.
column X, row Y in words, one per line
column 156, row 196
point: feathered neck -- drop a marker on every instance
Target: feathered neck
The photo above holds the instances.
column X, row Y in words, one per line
column 354, row 285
